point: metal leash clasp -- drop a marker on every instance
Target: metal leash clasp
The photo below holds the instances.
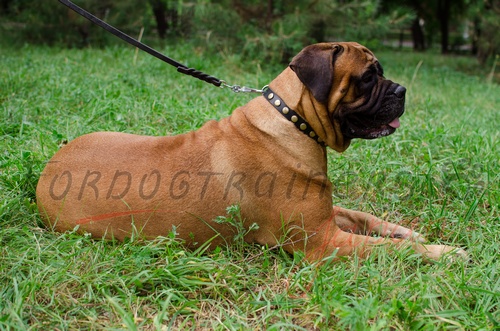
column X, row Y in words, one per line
column 242, row 89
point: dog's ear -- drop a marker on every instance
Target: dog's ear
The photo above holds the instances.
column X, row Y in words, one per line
column 314, row 67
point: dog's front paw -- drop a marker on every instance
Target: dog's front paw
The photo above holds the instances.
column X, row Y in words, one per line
column 404, row 233
column 438, row 252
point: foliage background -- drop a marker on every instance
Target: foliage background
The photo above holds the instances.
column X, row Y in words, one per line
column 270, row 29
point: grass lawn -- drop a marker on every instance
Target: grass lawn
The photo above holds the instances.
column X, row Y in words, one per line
column 439, row 173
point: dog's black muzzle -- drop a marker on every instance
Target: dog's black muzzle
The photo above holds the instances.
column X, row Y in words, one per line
column 378, row 117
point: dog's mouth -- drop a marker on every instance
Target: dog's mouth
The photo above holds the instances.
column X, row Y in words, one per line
column 376, row 119
column 373, row 133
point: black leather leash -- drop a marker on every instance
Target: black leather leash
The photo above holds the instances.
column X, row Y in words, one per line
column 180, row 67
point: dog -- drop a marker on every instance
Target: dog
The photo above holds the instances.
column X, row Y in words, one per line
column 269, row 158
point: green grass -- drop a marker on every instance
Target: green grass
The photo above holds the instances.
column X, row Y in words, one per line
column 439, row 173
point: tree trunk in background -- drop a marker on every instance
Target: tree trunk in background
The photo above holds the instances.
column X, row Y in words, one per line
column 5, row 5
column 476, row 26
column 444, row 18
column 161, row 21
column 417, row 35
column 269, row 19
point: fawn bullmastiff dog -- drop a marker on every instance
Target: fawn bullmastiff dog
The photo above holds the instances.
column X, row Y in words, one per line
column 269, row 158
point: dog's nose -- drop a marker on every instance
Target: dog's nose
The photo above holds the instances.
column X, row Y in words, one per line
column 400, row 91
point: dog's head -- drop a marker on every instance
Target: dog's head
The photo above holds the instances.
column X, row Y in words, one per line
column 348, row 80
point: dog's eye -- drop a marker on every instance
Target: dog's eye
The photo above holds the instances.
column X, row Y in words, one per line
column 368, row 78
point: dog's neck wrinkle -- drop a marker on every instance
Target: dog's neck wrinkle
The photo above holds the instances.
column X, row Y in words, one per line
column 297, row 97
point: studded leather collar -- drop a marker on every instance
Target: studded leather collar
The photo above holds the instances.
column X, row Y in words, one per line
column 291, row 115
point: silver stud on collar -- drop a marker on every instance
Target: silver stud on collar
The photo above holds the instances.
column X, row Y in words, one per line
column 291, row 115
